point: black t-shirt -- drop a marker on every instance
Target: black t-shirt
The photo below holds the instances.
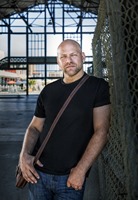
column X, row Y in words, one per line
column 75, row 127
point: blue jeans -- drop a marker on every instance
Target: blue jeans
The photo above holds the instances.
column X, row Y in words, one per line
column 53, row 187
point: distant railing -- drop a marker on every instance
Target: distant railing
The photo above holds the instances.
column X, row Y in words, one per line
column 16, row 61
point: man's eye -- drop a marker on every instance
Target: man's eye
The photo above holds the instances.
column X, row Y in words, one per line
column 62, row 57
column 74, row 54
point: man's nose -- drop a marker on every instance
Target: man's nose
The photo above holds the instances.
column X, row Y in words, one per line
column 68, row 59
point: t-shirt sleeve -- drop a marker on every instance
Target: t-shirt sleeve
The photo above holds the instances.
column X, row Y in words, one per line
column 40, row 110
column 102, row 95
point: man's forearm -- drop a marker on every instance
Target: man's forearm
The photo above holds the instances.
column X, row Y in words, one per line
column 101, row 121
column 30, row 139
column 94, row 148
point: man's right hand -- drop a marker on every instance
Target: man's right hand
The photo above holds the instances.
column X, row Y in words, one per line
column 27, row 168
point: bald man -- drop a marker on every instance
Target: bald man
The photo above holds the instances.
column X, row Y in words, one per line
column 77, row 139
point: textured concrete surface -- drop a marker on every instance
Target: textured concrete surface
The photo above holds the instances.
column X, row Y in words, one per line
column 15, row 115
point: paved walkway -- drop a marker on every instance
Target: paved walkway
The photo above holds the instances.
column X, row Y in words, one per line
column 15, row 115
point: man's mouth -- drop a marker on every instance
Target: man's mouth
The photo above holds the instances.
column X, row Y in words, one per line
column 70, row 66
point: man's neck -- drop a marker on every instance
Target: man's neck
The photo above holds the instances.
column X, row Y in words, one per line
column 71, row 79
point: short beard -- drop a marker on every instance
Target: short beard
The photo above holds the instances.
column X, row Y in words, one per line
column 73, row 72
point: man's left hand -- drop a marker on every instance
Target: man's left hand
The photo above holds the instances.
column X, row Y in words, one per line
column 76, row 179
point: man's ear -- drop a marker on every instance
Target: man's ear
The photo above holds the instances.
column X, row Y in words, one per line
column 57, row 60
column 83, row 56
column 58, row 64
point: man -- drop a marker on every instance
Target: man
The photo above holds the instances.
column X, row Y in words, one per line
column 77, row 139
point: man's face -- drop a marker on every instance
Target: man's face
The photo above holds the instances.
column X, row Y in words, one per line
column 70, row 58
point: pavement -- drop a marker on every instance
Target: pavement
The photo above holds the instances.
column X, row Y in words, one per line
column 16, row 112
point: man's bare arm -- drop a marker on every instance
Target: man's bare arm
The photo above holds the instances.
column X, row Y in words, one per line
column 30, row 139
column 101, row 120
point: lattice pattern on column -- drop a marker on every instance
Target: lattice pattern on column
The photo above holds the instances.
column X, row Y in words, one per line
column 115, row 47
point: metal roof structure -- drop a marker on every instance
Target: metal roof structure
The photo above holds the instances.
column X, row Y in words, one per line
column 10, row 7
column 31, row 28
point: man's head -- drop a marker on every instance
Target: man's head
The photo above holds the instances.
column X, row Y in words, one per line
column 70, row 57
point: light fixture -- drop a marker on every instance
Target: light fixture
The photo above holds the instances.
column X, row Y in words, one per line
column 50, row 22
